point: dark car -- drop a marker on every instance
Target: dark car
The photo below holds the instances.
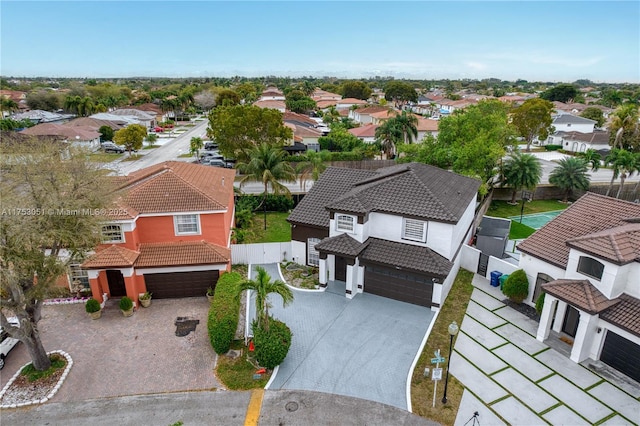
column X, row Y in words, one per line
column 210, row 146
column 112, row 147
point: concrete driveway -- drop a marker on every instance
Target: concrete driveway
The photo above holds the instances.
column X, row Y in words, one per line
column 362, row 347
column 116, row 356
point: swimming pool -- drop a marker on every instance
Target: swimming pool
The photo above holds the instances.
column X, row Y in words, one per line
column 536, row 220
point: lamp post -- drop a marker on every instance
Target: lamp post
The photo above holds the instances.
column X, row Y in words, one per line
column 453, row 330
column 525, row 197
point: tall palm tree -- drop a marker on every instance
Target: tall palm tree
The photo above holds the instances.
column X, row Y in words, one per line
column 408, row 124
column 195, row 146
column 570, row 175
column 623, row 164
column 72, row 103
column 521, row 171
column 637, row 172
column 7, row 104
column 267, row 165
column 312, row 168
column 592, row 158
column 263, row 286
column 389, row 134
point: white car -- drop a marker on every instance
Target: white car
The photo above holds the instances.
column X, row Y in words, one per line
column 7, row 342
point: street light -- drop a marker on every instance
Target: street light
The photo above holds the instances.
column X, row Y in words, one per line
column 453, row 330
column 525, row 197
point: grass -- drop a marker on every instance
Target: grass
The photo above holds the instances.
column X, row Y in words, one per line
column 278, row 229
column 150, row 146
column 57, row 362
column 185, row 155
column 132, row 157
column 104, row 157
column 237, row 374
column 422, row 387
column 519, row 231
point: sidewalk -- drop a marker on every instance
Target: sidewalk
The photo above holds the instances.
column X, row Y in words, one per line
column 511, row 378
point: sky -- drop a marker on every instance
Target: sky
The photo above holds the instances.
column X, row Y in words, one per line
column 535, row 41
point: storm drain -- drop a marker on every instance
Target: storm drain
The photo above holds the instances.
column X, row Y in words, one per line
column 291, row 406
column 185, row 325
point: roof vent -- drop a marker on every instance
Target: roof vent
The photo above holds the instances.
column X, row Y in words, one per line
column 222, row 181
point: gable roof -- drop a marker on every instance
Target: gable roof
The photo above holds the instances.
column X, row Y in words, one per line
column 591, row 214
column 370, row 109
column 175, row 186
column 413, row 189
column 571, row 119
column 114, row 256
column 427, row 125
column 620, row 245
column 351, row 101
column 366, row 131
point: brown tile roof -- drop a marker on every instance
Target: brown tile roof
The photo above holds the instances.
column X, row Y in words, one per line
column 275, row 104
column 620, row 245
column 383, row 115
column 154, row 255
column 325, row 104
column 592, row 213
column 114, row 256
column 294, row 116
column 69, row 132
column 342, row 245
column 426, row 125
column 405, row 256
column 598, row 136
column 93, row 123
column 371, row 109
column 349, row 101
column 625, row 314
column 147, row 107
column 366, row 131
column 413, row 189
column 579, row 293
column 175, row 186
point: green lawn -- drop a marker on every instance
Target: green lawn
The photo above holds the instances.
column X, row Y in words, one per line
column 278, row 229
column 132, row 157
column 519, row 231
column 150, row 146
column 104, row 157
column 185, row 155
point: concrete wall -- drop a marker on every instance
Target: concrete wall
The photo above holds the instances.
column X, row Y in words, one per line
column 244, row 254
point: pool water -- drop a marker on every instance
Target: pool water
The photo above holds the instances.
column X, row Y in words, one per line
column 536, row 220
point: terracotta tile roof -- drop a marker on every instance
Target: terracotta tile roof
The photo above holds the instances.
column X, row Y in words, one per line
column 293, row 116
column 114, row 256
column 426, row 125
column 598, row 136
column 620, row 245
column 325, row 104
column 371, row 109
column 592, row 213
column 175, row 186
column 148, row 107
column 93, row 123
column 306, row 132
column 625, row 314
column 351, row 101
column 344, row 112
column 579, row 293
column 275, row 104
column 69, row 132
column 342, row 245
column 153, row 255
column 405, row 256
column 413, row 189
column 366, row 131
column 383, row 115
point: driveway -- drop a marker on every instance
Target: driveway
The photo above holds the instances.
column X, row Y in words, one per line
column 116, row 356
column 362, row 347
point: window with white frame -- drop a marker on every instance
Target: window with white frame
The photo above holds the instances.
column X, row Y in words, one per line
column 79, row 275
column 590, row 267
column 187, row 224
column 313, row 257
column 345, row 223
column 414, row 230
column 112, row 234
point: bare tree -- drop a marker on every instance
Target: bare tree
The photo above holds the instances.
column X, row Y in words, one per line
column 205, row 100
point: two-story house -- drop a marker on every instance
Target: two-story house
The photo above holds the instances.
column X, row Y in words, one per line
column 587, row 261
column 168, row 233
column 394, row 232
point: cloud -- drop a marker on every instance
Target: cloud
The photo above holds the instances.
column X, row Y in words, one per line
column 478, row 66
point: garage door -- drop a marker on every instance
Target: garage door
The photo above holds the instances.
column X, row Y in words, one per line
column 180, row 284
column 398, row 285
column 621, row 354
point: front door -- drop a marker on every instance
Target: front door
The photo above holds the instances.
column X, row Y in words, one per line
column 571, row 320
column 117, row 287
column 341, row 269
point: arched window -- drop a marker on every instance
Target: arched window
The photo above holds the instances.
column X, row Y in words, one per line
column 590, row 267
column 542, row 278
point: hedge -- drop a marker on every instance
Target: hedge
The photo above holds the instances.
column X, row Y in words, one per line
column 552, row 147
column 271, row 346
column 224, row 312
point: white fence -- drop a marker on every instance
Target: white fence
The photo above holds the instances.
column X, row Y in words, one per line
column 471, row 257
column 244, row 254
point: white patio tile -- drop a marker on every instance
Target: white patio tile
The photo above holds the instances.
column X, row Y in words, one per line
column 533, row 396
column 485, row 300
column 575, row 398
column 484, row 316
column 575, row 373
column 481, row 357
column 618, row 400
column 523, row 362
column 481, row 334
column 514, row 412
column 521, row 320
column 563, row 416
column 469, row 405
column 475, row 380
column 523, row 340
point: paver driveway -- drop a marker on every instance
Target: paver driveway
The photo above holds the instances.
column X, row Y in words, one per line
column 362, row 347
column 126, row 356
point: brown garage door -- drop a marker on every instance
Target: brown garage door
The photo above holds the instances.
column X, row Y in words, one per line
column 180, row 284
column 398, row 285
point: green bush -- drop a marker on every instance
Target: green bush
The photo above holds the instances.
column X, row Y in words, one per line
column 552, row 147
column 540, row 303
column 92, row 306
column 516, row 287
column 223, row 313
column 271, row 346
column 126, row 303
column 279, row 203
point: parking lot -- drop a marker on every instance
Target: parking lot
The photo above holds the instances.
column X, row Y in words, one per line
column 115, row 356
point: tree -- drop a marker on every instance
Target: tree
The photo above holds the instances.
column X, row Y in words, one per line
column 7, row 104
column 267, row 164
column 331, row 115
column 297, row 101
column 408, row 124
column 570, row 175
column 560, row 93
column 151, row 138
column 356, row 89
column 400, row 93
column 521, row 171
column 44, row 100
column 239, row 129
column 312, row 168
column 623, row 164
column 106, row 133
column 592, row 158
column 595, row 114
column 205, row 100
column 339, row 139
column 227, row 97
column 195, row 146
column 624, row 131
column 131, row 137
column 533, row 120
column 389, row 134
column 61, row 189
column 263, row 286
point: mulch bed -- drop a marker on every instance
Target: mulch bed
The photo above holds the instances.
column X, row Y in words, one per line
column 523, row 308
column 22, row 390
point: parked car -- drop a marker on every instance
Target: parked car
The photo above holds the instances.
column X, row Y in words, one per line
column 112, row 147
column 7, row 342
column 157, row 130
column 216, row 163
column 208, row 155
column 210, row 146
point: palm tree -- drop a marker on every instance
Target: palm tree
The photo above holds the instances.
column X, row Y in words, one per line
column 408, row 124
column 389, row 134
column 591, row 157
column 623, row 164
column 570, row 175
column 195, row 146
column 72, row 103
column 312, row 168
column 267, row 165
column 7, row 104
column 263, row 286
column 521, row 171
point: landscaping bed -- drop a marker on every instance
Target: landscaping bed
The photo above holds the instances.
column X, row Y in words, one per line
column 300, row 276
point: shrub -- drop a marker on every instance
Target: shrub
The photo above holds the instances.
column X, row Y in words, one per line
column 126, row 303
column 145, row 296
column 271, row 346
column 552, row 147
column 540, row 303
column 516, row 287
column 224, row 311
column 92, row 306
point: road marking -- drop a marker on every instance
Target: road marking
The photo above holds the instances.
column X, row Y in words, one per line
column 253, row 410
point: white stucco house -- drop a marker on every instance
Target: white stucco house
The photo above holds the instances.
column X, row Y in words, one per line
column 587, row 261
column 394, row 232
column 572, row 123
